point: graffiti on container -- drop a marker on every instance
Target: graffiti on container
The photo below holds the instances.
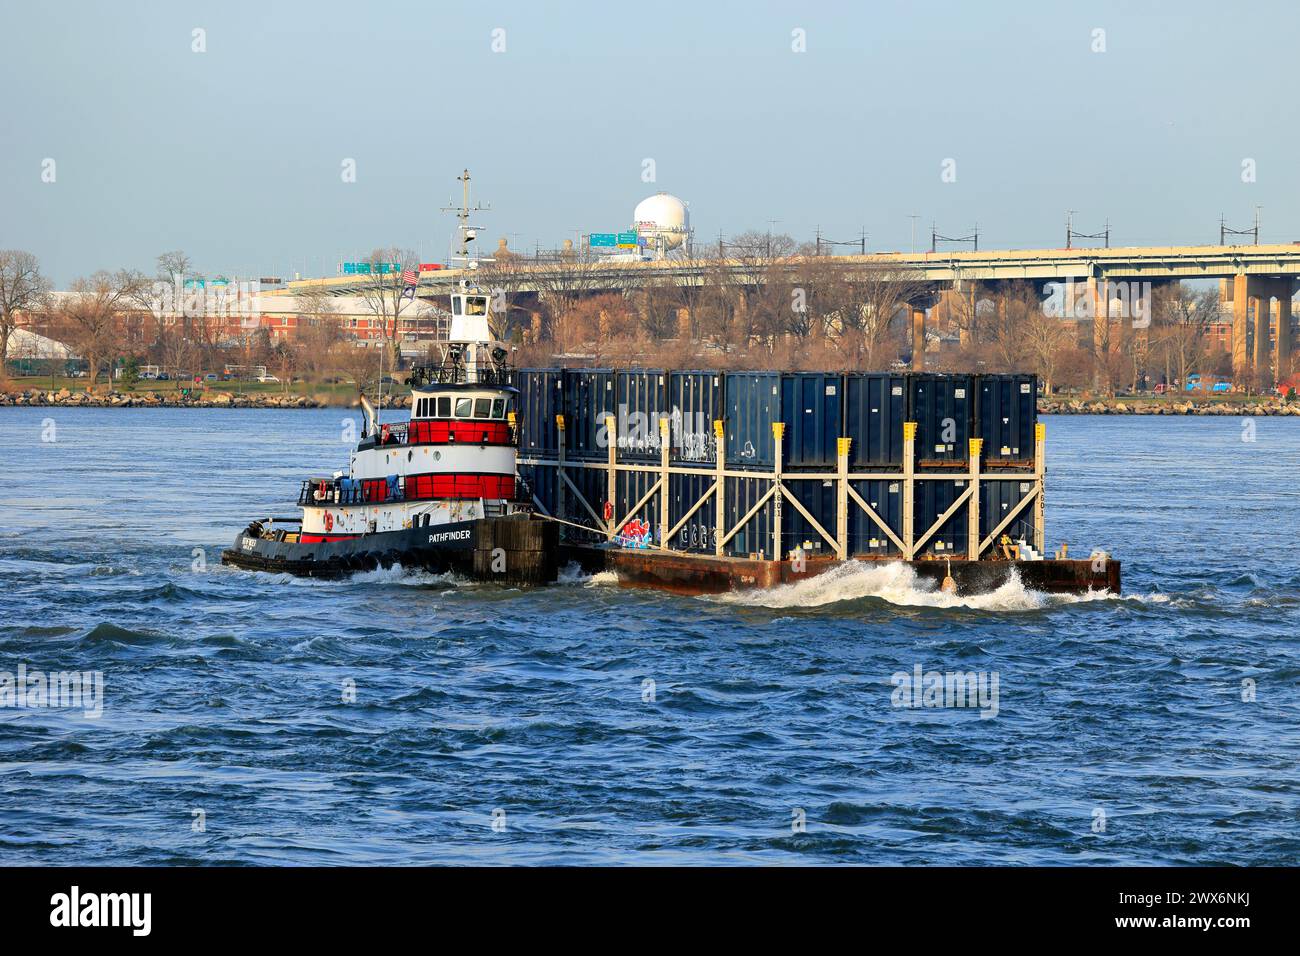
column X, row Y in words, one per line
column 635, row 534
column 697, row 536
column 690, row 434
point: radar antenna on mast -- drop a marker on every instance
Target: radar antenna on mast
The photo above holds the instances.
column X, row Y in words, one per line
column 467, row 232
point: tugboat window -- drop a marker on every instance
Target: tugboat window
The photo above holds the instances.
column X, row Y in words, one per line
column 476, row 306
column 482, row 407
column 498, row 408
column 455, row 305
column 464, row 407
column 444, row 406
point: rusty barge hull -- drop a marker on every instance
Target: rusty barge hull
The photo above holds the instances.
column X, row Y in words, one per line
column 706, row 574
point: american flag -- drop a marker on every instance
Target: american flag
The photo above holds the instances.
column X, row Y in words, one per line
column 410, row 276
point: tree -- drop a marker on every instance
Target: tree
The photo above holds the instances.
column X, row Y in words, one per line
column 385, row 293
column 1180, row 328
column 22, row 289
column 284, row 359
column 1046, row 342
column 872, row 296
column 358, row 362
column 94, row 313
column 318, row 327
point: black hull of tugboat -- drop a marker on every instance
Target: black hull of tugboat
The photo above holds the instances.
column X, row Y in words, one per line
column 513, row 550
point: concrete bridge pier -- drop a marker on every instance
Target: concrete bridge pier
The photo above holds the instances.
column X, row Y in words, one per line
column 1253, row 313
column 1284, row 345
column 1099, row 296
column 684, row 323
column 918, row 337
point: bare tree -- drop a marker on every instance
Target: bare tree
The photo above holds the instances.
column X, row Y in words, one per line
column 385, row 293
column 316, row 341
column 94, row 314
column 872, row 297
column 1180, row 329
column 1045, row 342
column 318, row 329
column 563, row 284
column 358, row 362
column 22, row 289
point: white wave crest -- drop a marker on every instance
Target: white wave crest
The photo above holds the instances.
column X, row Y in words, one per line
column 573, row 575
column 898, row 584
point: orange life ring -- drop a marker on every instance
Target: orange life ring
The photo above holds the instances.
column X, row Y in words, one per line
column 609, row 510
column 329, row 521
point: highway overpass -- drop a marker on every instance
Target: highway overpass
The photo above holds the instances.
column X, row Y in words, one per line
column 1258, row 280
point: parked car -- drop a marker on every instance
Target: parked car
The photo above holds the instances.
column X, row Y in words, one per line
column 267, row 378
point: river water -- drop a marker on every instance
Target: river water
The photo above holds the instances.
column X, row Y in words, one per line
column 407, row 718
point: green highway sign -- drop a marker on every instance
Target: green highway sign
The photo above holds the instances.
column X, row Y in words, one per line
column 627, row 240
column 602, row 239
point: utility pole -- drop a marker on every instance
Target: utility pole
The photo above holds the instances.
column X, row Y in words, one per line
column 912, row 217
column 1069, row 227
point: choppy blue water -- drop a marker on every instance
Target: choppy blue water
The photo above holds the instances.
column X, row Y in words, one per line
column 223, row 690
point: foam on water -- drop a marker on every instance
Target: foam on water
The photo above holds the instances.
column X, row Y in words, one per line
column 573, row 576
column 897, row 583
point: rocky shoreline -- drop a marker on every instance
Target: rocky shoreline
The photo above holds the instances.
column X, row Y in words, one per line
column 65, row 398
column 1245, row 408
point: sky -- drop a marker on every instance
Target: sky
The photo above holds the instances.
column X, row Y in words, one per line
column 788, row 116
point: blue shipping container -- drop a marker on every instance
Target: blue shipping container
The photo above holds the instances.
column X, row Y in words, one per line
column 641, row 399
column 875, row 407
column 997, row 498
column 631, row 487
column 540, row 399
column 753, row 402
column 588, row 400
column 931, row 499
column 699, row 533
column 819, row 498
column 1007, row 411
column 942, row 407
column 811, row 410
column 886, row 499
column 694, row 404
column 755, row 537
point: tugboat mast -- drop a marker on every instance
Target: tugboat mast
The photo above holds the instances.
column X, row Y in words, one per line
column 467, row 232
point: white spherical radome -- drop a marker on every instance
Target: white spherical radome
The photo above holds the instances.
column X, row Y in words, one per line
column 664, row 216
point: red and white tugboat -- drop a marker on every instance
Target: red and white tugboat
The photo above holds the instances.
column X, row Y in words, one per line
column 437, row 492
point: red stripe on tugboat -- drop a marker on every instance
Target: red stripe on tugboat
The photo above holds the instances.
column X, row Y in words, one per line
column 445, row 432
column 363, row 491
column 308, row 538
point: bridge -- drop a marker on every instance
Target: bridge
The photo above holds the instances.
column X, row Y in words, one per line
column 1258, row 281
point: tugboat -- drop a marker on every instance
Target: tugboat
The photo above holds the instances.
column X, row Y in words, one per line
column 438, row 492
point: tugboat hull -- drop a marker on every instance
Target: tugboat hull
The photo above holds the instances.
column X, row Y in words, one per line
column 514, row 550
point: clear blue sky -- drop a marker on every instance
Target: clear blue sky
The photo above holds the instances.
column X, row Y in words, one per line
column 234, row 155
